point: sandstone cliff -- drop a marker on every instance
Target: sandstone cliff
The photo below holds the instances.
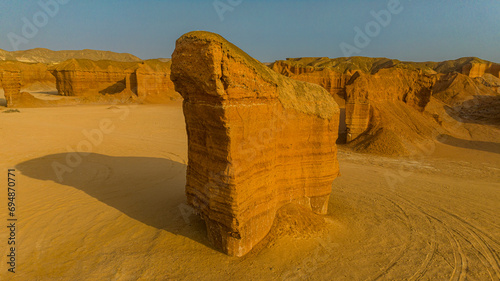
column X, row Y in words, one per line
column 333, row 81
column 478, row 69
column 147, row 80
column 257, row 140
column 386, row 101
column 32, row 74
column 10, row 81
column 331, row 74
column 391, row 85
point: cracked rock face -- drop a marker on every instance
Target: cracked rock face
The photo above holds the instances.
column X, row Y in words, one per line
column 257, row 140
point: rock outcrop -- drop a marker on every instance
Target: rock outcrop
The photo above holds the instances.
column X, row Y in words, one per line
column 490, row 81
column 478, row 69
column 331, row 74
column 148, row 80
column 10, row 81
column 395, row 85
column 257, row 140
column 333, row 81
column 32, row 74
column 386, row 101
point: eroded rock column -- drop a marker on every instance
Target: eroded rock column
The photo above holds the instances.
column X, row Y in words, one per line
column 257, row 140
column 11, row 83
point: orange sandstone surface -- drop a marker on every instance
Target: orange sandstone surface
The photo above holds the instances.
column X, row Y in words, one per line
column 31, row 74
column 82, row 81
column 147, row 80
column 257, row 140
column 391, row 105
column 10, row 81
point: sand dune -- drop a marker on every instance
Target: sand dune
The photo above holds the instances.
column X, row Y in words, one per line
column 120, row 214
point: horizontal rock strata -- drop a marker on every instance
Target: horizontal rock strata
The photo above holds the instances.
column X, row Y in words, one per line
column 31, row 74
column 333, row 81
column 365, row 91
column 10, row 81
column 257, row 140
column 387, row 101
column 148, row 79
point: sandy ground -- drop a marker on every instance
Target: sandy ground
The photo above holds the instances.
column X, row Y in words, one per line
column 118, row 212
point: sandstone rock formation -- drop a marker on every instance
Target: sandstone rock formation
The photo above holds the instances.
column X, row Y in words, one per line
column 257, row 140
column 32, row 74
column 394, row 85
column 148, row 80
column 331, row 74
column 93, row 81
column 10, row 81
column 153, row 80
column 333, row 81
column 386, row 101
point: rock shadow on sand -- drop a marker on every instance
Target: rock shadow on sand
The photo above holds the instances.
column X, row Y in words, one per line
column 469, row 144
column 147, row 189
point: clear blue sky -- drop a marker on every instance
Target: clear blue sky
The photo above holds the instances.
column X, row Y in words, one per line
column 266, row 29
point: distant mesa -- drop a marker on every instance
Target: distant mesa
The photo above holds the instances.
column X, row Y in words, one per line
column 257, row 140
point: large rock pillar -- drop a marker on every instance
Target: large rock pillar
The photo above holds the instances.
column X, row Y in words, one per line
column 257, row 140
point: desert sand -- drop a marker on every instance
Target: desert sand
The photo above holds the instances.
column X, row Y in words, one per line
column 121, row 213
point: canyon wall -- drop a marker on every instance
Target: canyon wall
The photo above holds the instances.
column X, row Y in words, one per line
column 33, row 75
column 478, row 69
column 257, row 140
column 386, row 100
column 395, row 85
column 334, row 82
column 78, row 77
column 357, row 119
